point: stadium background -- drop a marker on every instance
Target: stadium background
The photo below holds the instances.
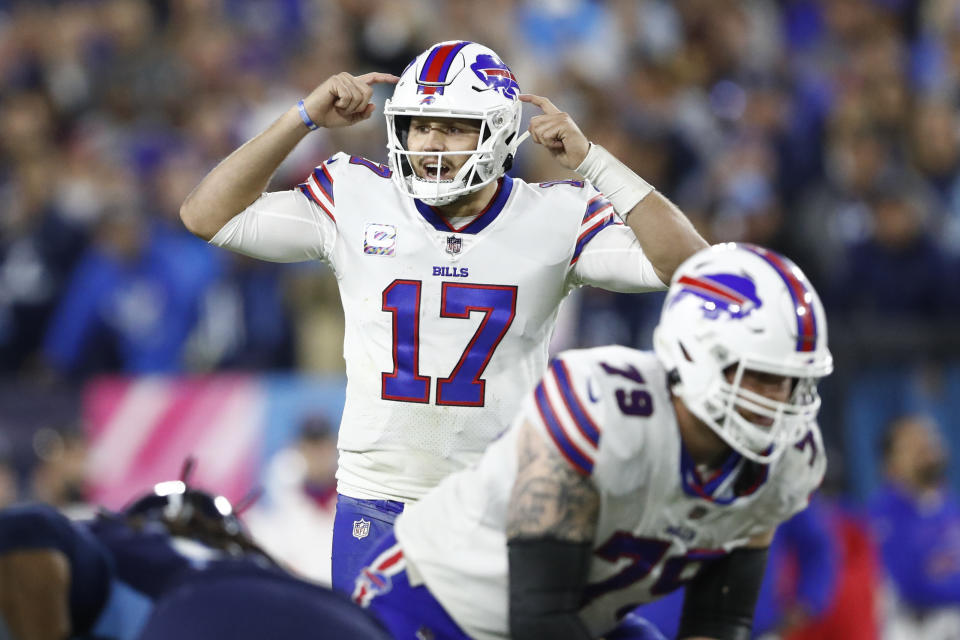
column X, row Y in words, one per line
column 827, row 129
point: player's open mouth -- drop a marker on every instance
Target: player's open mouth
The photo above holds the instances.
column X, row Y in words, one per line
column 431, row 169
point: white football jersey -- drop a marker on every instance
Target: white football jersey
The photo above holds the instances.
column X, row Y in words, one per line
column 446, row 328
column 608, row 411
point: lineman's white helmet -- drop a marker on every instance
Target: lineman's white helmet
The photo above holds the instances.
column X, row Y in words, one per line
column 743, row 306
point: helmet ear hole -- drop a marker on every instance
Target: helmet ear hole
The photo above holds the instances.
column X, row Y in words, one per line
column 673, row 378
column 406, row 169
column 402, row 124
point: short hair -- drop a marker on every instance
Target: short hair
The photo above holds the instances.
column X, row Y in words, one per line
column 888, row 440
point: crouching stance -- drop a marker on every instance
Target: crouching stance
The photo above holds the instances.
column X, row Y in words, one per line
column 628, row 474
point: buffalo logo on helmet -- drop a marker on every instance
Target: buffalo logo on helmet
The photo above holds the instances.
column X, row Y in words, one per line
column 720, row 293
column 496, row 75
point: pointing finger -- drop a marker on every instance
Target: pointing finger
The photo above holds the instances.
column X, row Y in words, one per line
column 375, row 77
column 545, row 105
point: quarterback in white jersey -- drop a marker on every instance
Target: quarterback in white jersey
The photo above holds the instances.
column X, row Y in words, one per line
column 627, row 474
column 450, row 272
column 447, row 327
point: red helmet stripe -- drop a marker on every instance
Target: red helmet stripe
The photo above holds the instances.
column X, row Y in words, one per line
column 802, row 298
column 438, row 63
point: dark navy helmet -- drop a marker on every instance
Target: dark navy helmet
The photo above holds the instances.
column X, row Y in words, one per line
column 193, row 513
column 174, row 501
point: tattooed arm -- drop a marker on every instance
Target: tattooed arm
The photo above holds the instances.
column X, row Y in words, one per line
column 551, row 521
column 550, row 498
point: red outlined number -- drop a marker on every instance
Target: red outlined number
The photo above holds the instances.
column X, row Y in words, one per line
column 464, row 386
column 404, row 383
column 645, row 555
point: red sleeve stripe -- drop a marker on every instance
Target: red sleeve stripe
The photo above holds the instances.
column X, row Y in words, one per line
column 594, row 214
column 581, row 461
column 596, row 202
column 578, row 414
column 307, row 190
column 324, row 181
column 314, row 181
column 588, row 235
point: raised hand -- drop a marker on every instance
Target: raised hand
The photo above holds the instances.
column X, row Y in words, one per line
column 343, row 99
column 557, row 131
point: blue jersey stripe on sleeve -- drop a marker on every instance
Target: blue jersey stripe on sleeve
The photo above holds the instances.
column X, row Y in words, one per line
column 325, row 181
column 307, row 190
column 589, row 234
column 580, row 461
column 586, row 425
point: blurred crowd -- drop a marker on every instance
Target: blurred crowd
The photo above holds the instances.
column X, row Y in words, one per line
column 826, row 129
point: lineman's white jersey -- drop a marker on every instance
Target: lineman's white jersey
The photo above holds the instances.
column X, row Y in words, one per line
column 609, row 413
column 446, row 328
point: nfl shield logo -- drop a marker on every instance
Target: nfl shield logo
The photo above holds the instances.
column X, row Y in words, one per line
column 454, row 244
column 361, row 529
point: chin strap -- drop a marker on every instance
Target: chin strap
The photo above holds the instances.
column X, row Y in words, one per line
column 508, row 161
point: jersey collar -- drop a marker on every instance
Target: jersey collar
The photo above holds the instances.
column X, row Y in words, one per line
column 719, row 488
column 478, row 224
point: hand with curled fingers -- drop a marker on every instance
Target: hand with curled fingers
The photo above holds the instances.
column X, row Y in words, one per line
column 343, row 99
column 557, row 131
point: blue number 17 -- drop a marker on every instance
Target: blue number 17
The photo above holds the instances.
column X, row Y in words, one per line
column 464, row 386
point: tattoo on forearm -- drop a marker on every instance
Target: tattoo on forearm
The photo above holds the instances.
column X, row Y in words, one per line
column 549, row 497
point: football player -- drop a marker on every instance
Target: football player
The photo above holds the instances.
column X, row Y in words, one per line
column 175, row 564
column 629, row 473
column 450, row 271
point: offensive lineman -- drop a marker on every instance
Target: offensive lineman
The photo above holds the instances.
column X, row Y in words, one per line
column 629, row 473
column 450, row 272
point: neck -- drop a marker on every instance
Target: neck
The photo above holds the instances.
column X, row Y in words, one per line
column 701, row 442
column 470, row 204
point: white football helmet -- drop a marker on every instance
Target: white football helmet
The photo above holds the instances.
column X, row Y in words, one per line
column 455, row 79
column 743, row 306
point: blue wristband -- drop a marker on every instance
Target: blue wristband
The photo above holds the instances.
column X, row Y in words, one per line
column 306, row 117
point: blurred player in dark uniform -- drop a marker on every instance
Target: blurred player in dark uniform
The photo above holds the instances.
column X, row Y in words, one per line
column 175, row 564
